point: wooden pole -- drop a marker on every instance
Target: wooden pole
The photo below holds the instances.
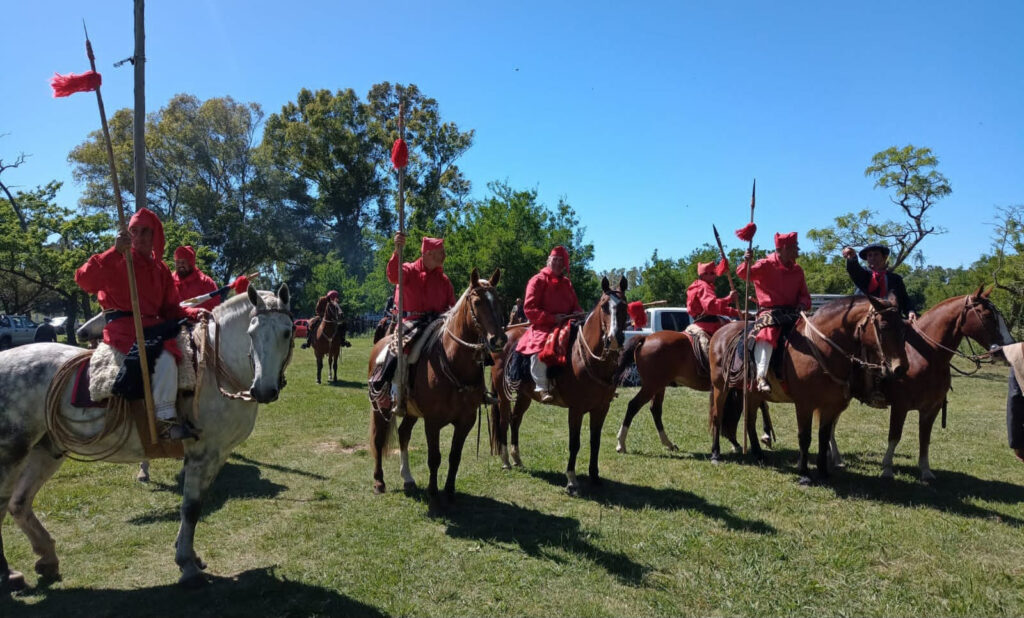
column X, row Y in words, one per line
column 402, row 370
column 140, row 338
column 728, row 273
column 746, row 306
column 139, row 129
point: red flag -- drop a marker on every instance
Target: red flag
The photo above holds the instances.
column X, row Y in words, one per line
column 747, row 232
column 66, row 85
column 399, row 154
column 240, row 285
column 722, row 268
column 636, row 311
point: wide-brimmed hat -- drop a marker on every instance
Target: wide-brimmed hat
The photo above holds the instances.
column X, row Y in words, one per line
column 873, row 247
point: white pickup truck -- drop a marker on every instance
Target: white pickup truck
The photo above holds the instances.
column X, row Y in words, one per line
column 662, row 318
column 16, row 330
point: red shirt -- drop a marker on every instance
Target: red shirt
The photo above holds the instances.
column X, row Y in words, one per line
column 422, row 291
column 195, row 284
column 546, row 297
column 106, row 275
column 702, row 301
column 777, row 285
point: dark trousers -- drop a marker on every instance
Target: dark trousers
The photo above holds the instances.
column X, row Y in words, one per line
column 1015, row 413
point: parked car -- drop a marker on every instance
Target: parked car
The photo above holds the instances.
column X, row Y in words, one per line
column 58, row 323
column 16, row 330
column 301, row 328
column 662, row 318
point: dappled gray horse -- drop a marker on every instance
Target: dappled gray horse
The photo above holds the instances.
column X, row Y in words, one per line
column 255, row 332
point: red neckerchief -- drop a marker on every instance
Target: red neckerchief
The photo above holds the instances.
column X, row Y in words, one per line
column 878, row 286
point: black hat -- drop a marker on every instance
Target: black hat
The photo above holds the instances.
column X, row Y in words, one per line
column 873, row 247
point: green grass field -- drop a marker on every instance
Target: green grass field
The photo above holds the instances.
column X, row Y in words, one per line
column 291, row 526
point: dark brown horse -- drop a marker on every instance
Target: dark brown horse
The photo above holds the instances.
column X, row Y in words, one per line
column 818, row 364
column 666, row 358
column 584, row 385
column 328, row 340
column 446, row 386
column 931, row 343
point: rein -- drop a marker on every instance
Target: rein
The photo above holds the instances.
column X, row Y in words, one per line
column 223, row 373
column 582, row 345
column 849, row 357
column 477, row 348
column 974, row 358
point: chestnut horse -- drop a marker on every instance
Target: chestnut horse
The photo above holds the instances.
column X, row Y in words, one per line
column 931, row 343
column 447, row 386
column 818, row 363
column 328, row 340
column 584, row 385
column 664, row 359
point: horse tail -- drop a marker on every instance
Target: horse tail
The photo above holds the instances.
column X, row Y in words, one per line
column 628, row 357
column 732, row 412
column 379, row 423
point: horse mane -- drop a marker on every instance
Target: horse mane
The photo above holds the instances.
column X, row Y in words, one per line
column 833, row 308
column 454, row 309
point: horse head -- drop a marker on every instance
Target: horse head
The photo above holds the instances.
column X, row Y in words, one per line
column 888, row 327
column 983, row 322
column 271, row 342
column 612, row 309
column 485, row 309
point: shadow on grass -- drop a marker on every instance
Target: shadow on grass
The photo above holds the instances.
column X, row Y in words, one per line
column 257, row 592
column 346, row 384
column 279, row 468
column 538, row 534
column 233, row 482
column 637, row 497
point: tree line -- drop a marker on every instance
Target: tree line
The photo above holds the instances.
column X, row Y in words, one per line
column 307, row 195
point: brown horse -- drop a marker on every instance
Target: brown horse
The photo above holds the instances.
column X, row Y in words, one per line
column 818, row 364
column 446, row 386
column 329, row 338
column 584, row 385
column 931, row 343
column 664, row 359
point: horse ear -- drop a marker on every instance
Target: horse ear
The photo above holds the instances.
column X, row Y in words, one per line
column 254, row 297
column 876, row 303
column 988, row 291
column 977, row 293
column 604, row 285
column 283, row 295
column 496, row 277
column 623, row 285
column 474, row 277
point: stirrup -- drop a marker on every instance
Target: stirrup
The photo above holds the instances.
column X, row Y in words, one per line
column 490, row 398
column 763, row 385
column 170, row 429
column 545, row 395
column 304, row 346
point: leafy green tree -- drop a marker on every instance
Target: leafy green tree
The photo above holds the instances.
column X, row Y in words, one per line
column 909, row 172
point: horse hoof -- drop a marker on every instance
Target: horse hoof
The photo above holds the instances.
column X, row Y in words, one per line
column 318, row 381
column 48, row 570
column 379, row 488
column 199, row 563
column 715, row 459
column 766, row 440
column 927, row 478
column 409, row 487
column 193, row 581
column 887, row 474
column 572, row 490
column 805, row 481
column 620, row 448
column 506, row 466
column 12, row 581
column 673, row 448
column 518, row 463
column 142, row 478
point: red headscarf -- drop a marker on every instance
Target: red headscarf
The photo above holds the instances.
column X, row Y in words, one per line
column 430, row 244
column 561, row 252
column 144, row 218
column 782, row 240
column 636, row 311
column 186, row 253
column 333, row 295
column 705, row 268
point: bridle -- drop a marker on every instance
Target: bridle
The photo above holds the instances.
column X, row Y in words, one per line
column 479, row 349
column 977, row 359
column 242, row 393
column 586, row 353
column 871, row 317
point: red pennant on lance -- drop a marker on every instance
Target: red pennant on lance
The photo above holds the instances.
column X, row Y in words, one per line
column 240, row 285
column 399, row 154
column 722, row 268
column 67, row 85
column 747, row 232
column 636, row 311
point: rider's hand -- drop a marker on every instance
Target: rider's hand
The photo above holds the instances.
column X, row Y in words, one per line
column 849, row 253
column 912, row 316
column 748, row 255
column 399, row 241
column 732, row 297
column 123, row 242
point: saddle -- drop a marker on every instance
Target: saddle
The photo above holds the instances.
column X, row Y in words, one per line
column 701, row 342
column 419, row 337
column 735, row 356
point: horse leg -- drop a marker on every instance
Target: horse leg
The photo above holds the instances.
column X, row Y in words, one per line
column 575, row 424
column 897, row 417
column 634, row 406
column 39, row 467
column 716, row 411
column 750, row 426
column 433, row 431
column 334, row 366
column 659, row 398
column 379, row 429
column 926, row 420
column 404, row 433
column 596, row 423
column 319, row 366
column 522, row 403
column 835, row 458
column 769, row 431
column 143, row 475
column 200, row 469
column 825, row 423
column 455, row 455
column 804, row 420
column 500, row 413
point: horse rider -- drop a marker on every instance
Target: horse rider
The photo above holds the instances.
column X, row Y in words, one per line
column 550, row 300
column 190, row 281
column 877, row 279
column 105, row 275
column 45, row 332
column 321, row 311
column 781, row 291
column 706, row 308
column 426, row 293
column 517, row 315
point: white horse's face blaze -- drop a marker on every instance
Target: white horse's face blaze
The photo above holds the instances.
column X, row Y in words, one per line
column 271, row 338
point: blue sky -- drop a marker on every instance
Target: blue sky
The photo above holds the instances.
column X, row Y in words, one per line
column 651, row 119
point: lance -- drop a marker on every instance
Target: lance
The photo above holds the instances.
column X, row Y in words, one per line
column 221, row 292
column 728, row 273
column 402, row 369
column 140, row 339
column 746, row 307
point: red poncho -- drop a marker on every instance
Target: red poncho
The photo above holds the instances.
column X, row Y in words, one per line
column 194, row 284
column 422, row 291
column 702, row 301
column 776, row 285
column 546, row 297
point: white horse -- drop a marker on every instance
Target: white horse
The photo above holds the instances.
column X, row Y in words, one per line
column 255, row 333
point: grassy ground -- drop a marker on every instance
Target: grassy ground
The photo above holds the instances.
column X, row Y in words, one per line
column 291, row 526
